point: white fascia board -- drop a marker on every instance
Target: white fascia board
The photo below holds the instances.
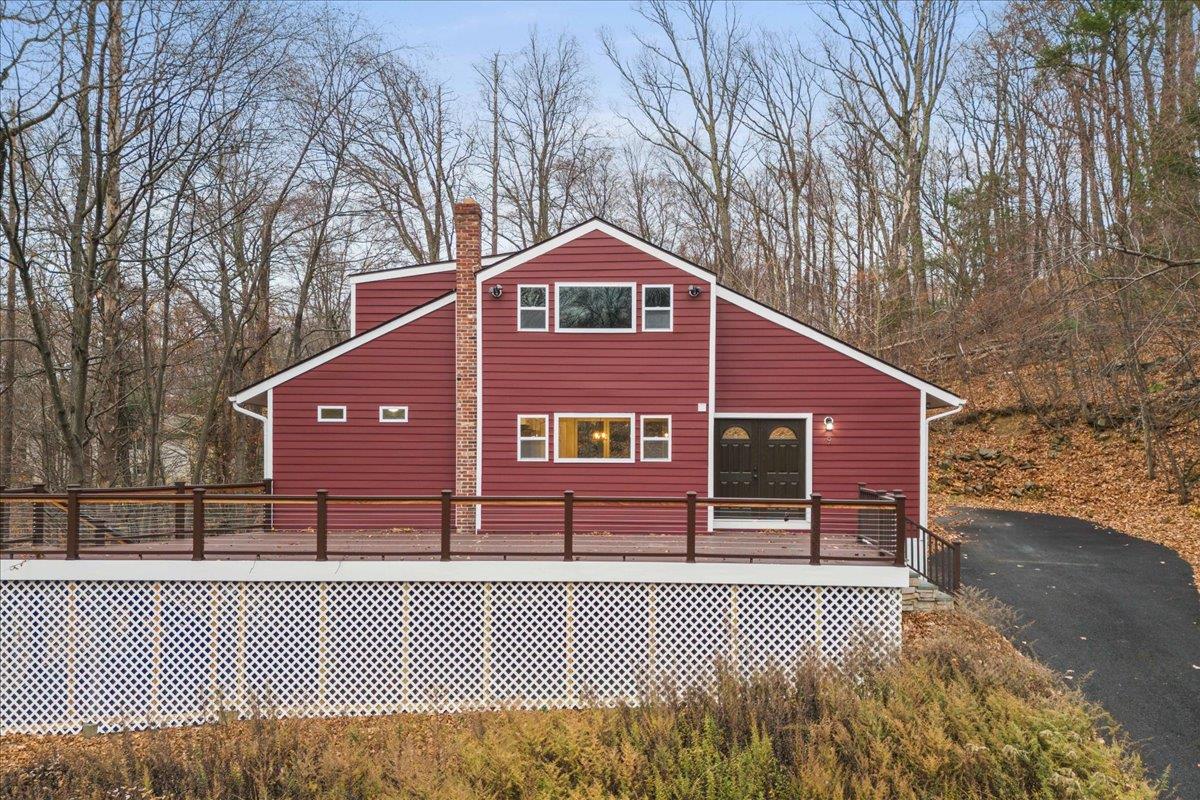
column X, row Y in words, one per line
column 413, row 271
column 770, row 314
column 583, row 229
column 548, row 571
column 341, row 349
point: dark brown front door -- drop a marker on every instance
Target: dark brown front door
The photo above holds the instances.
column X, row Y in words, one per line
column 760, row 458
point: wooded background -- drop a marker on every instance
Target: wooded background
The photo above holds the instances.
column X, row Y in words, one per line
column 186, row 186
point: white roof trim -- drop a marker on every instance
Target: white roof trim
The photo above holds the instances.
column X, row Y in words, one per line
column 413, row 271
column 772, row 315
column 591, row 226
column 341, row 349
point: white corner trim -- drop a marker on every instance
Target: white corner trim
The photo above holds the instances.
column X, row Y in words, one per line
column 269, row 438
column 341, row 349
column 353, row 309
column 825, row 339
column 515, row 260
column 757, row 574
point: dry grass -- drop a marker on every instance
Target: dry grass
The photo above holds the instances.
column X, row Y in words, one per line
column 962, row 715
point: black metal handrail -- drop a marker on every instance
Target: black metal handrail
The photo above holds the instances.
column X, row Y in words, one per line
column 934, row 557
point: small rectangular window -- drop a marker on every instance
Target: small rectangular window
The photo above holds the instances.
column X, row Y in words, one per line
column 531, row 437
column 594, row 438
column 331, row 413
column 531, row 308
column 393, row 413
column 656, row 438
column 657, row 308
column 594, row 308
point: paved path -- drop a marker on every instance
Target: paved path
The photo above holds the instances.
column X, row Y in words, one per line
column 1104, row 603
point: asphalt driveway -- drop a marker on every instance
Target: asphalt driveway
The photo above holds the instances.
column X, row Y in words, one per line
column 1117, row 614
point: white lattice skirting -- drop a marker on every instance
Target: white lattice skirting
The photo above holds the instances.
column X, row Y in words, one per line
column 136, row 653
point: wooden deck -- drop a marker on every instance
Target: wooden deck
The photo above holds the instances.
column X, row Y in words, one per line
column 780, row 547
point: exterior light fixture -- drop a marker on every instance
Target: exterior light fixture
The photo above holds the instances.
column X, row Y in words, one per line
column 497, row 290
column 693, row 291
column 829, row 423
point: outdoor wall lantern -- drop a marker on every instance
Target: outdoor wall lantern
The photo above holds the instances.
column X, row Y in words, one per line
column 497, row 290
column 693, row 291
column 829, row 423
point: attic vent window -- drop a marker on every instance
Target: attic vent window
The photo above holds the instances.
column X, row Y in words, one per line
column 393, row 413
column 594, row 307
column 331, row 413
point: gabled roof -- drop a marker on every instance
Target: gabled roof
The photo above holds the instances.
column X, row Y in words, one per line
column 582, row 229
column 330, row 353
column 502, row 263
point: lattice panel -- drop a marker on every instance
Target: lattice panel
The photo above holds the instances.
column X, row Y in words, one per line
column 130, row 655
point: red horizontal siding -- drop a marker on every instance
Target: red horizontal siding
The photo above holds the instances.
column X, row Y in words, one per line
column 411, row 366
column 641, row 373
column 376, row 302
column 764, row 367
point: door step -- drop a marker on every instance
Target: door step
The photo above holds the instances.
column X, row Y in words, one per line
column 921, row 595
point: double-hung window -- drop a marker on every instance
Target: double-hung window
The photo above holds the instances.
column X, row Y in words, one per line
column 531, row 308
column 593, row 437
column 594, row 307
column 531, row 437
column 657, row 309
column 656, row 438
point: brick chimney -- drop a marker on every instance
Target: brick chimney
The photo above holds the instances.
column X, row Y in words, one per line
column 467, row 255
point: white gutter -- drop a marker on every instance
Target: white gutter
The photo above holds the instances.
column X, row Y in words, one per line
column 954, row 410
column 241, row 410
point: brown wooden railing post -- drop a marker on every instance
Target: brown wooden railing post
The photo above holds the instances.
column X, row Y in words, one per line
column 37, row 515
column 568, row 525
column 72, row 522
column 814, row 530
column 322, row 525
column 268, row 520
column 691, row 527
column 447, row 513
column 901, row 529
column 957, row 546
column 180, row 511
column 197, row 524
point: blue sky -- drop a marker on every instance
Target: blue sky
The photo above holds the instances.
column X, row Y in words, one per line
column 451, row 36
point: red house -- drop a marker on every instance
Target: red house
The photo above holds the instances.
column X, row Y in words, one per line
column 595, row 362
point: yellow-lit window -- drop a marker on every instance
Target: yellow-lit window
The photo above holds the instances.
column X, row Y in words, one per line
column 656, row 438
column 598, row 438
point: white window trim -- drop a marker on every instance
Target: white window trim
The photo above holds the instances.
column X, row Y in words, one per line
column 546, row 308
column 345, row 416
column 593, row 415
column 633, row 327
column 642, row 437
column 393, row 421
column 545, row 418
column 669, row 307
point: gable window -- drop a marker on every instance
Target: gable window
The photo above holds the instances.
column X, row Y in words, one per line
column 531, row 308
column 331, row 413
column 657, row 308
column 594, row 308
column 607, row 437
column 393, row 413
column 531, row 437
column 656, row 438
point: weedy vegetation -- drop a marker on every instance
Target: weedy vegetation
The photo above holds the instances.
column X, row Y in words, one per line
column 960, row 715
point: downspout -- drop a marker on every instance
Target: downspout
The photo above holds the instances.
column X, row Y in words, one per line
column 952, row 411
column 238, row 407
column 924, row 517
column 268, row 433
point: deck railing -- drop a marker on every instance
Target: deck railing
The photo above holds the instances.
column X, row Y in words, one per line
column 936, row 558
column 147, row 523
